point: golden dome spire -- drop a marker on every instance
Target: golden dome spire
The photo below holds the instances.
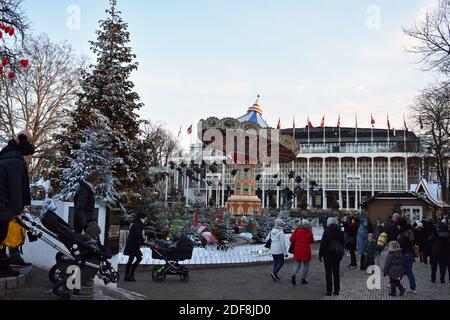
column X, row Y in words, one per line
column 256, row 107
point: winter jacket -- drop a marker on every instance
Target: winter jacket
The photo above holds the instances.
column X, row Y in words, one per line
column 14, row 185
column 85, row 212
column 371, row 248
column 278, row 245
column 362, row 238
column 419, row 237
column 351, row 231
column 135, row 239
column 378, row 231
column 303, row 239
column 440, row 246
column 332, row 233
column 406, row 244
column 392, row 231
column 394, row 265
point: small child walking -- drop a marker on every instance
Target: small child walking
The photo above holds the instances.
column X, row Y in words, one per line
column 394, row 268
column 371, row 250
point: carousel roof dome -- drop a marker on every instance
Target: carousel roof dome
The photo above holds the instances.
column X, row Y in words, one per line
column 254, row 114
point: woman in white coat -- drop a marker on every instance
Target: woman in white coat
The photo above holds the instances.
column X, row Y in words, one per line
column 277, row 248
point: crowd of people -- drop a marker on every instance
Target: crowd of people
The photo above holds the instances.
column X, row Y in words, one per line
column 423, row 240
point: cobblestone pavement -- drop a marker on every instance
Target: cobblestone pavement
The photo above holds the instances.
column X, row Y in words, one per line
column 354, row 285
column 251, row 282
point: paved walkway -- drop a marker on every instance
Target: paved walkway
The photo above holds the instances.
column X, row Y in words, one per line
column 354, row 285
column 250, row 282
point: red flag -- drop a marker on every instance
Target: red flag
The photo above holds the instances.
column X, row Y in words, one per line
column 339, row 122
column 309, row 125
column 388, row 123
column 372, row 121
column 189, row 130
column 196, row 219
column 279, row 125
column 322, row 124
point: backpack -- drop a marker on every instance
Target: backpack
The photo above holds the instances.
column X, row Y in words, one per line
column 336, row 248
column 16, row 236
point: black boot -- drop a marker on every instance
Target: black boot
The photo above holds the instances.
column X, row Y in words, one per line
column 363, row 266
column 293, row 280
column 6, row 271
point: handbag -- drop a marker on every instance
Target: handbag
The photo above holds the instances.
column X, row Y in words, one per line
column 292, row 246
column 416, row 250
column 268, row 243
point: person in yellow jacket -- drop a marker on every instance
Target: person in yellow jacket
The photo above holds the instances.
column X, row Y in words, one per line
column 14, row 193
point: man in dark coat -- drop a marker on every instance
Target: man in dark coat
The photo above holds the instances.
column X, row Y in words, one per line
column 85, row 202
column 15, row 258
column 331, row 252
column 439, row 243
column 135, row 240
column 428, row 230
column 14, row 192
column 393, row 228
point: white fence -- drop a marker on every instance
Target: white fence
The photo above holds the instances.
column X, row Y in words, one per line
column 212, row 255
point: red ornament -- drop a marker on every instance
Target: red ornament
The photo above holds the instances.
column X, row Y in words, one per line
column 6, row 29
column 24, row 63
column 1, row 35
column 2, row 27
column 5, row 62
column 11, row 75
column 11, row 32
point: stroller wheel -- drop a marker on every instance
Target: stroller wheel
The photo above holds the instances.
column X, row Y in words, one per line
column 54, row 275
column 184, row 277
column 158, row 274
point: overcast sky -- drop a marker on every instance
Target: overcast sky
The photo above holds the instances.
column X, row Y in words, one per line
column 201, row 58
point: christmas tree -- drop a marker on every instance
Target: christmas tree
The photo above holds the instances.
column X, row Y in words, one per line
column 106, row 90
column 94, row 155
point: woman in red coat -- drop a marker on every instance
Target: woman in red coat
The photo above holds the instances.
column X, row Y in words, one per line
column 302, row 238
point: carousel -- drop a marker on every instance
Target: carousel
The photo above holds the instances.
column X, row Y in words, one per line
column 249, row 143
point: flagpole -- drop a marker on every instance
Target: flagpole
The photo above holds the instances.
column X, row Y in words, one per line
column 405, row 129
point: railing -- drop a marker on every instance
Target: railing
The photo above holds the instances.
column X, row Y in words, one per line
column 220, row 255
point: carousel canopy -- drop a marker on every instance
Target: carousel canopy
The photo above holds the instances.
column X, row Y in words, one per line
column 254, row 114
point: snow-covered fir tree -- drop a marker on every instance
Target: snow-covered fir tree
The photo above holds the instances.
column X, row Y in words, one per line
column 94, row 155
column 107, row 90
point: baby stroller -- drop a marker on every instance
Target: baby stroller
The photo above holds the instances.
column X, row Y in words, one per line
column 172, row 256
column 88, row 255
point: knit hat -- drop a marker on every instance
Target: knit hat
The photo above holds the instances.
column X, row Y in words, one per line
column 394, row 246
column 279, row 223
column 331, row 221
column 306, row 224
column 24, row 146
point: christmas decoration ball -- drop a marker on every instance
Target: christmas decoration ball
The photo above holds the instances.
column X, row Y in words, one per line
column 11, row 32
column 5, row 62
column 11, row 75
column 24, row 63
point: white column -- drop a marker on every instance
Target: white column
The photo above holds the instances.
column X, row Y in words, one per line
column 356, row 184
column 278, row 197
column 407, row 174
column 293, row 187
column 307, row 185
column 389, row 174
column 348, row 195
column 341, row 203
column 223, row 185
column 373, row 177
column 324, row 185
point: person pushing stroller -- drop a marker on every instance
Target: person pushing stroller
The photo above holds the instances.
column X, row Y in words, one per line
column 136, row 238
